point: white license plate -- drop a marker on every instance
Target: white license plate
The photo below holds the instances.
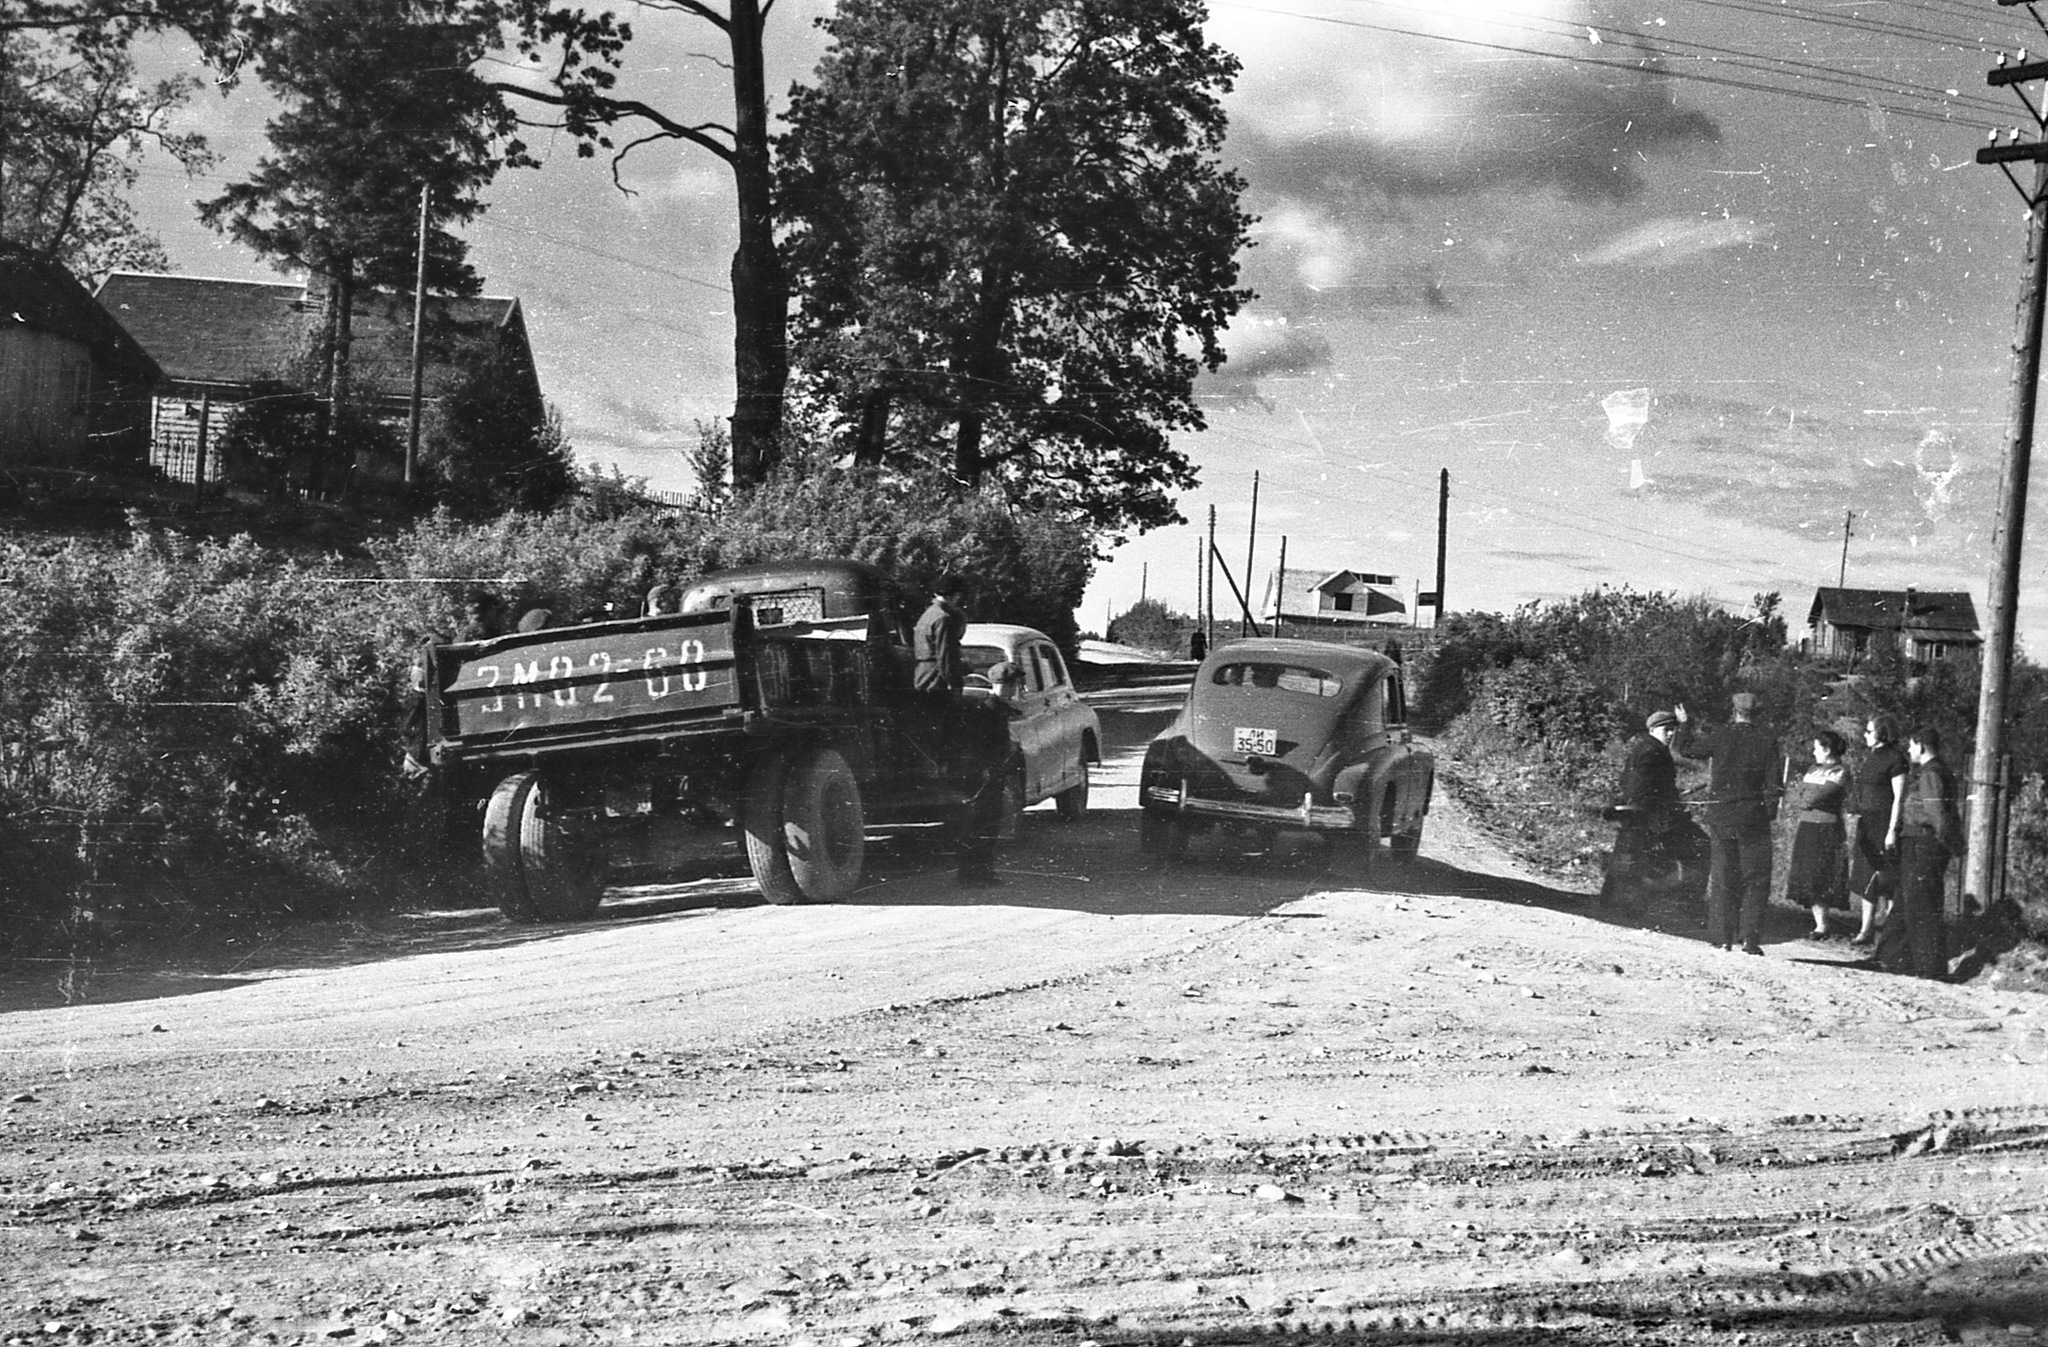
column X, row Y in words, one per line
column 1247, row 740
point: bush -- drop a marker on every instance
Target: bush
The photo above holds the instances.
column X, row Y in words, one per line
column 201, row 723
column 1149, row 624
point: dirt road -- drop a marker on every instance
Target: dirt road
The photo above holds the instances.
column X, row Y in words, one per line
column 1109, row 1102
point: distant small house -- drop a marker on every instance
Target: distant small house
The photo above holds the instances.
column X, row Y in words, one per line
column 74, row 387
column 1921, row 624
column 218, row 340
column 1334, row 598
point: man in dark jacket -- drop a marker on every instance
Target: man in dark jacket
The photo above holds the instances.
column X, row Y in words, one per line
column 1655, row 835
column 1930, row 834
column 936, row 641
column 1741, row 801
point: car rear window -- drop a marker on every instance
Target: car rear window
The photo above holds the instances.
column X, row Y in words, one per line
column 976, row 659
column 1285, row 677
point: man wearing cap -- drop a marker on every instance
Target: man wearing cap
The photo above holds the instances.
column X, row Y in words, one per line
column 1741, row 801
column 1653, row 823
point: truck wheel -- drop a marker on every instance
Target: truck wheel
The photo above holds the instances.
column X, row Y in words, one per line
column 824, row 826
column 1073, row 801
column 562, row 854
column 503, row 861
column 761, row 821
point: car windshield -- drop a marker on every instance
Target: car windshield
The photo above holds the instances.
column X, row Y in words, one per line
column 1284, row 677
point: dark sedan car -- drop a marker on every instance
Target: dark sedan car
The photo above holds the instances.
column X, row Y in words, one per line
column 1286, row 734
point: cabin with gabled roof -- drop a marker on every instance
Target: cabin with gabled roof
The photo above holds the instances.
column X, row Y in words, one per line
column 1847, row 625
column 74, row 386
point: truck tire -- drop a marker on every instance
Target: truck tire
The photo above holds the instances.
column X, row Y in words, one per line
column 503, row 858
column 543, row 866
column 761, row 823
column 562, row 854
column 1073, row 801
column 824, row 826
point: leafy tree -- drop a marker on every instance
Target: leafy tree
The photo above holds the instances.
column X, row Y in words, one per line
column 73, row 124
column 380, row 101
column 1149, row 624
column 489, row 447
column 1012, row 242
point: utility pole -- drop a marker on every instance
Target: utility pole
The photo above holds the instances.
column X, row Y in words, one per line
column 1443, row 533
column 1987, row 806
column 1251, row 544
column 1842, row 576
column 1435, row 598
column 1280, row 587
column 1209, row 613
column 419, row 367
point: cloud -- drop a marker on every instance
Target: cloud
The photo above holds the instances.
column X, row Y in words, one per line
column 1451, row 99
column 1262, row 346
column 1350, row 129
column 1673, row 239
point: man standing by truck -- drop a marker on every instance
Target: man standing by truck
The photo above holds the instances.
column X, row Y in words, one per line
column 936, row 641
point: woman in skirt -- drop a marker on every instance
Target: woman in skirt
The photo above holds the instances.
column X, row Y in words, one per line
column 1818, row 872
column 1876, row 800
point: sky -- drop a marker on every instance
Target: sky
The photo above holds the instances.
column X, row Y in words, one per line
column 1667, row 288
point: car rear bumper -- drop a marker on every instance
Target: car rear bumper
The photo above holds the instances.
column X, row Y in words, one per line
column 1307, row 814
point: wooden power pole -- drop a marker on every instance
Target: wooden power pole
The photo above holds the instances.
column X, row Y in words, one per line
column 419, row 349
column 1986, row 779
column 1251, row 544
column 1842, row 575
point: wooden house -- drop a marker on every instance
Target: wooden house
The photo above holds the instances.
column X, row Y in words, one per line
column 1846, row 625
column 1347, row 598
column 219, row 341
column 74, row 386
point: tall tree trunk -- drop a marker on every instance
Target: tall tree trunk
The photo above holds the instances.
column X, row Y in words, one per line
column 976, row 368
column 344, row 301
column 872, row 438
column 760, row 292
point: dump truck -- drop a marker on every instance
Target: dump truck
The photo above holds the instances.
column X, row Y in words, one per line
column 777, row 704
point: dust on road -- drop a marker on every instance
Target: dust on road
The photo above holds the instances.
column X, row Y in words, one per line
column 1112, row 1101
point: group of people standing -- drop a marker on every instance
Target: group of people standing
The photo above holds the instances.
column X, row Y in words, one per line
column 1876, row 835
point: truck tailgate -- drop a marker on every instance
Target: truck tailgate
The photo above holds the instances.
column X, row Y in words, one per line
column 574, row 684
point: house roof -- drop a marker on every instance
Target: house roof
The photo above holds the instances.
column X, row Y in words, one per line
column 1931, row 610
column 1298, row 589
column 40, row 293
column 210, row 331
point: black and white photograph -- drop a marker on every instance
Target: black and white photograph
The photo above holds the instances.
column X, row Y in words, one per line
column 1058, row 673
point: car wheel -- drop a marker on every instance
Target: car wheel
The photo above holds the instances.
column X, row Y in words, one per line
column 1177, row 834
column 824, row 826
column 1404, row 846
column 1073, row 801
column 1010, row 824
column 1151, row 833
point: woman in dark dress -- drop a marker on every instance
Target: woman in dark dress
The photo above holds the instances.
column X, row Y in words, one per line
column 1877, row 800
column 1818, row 874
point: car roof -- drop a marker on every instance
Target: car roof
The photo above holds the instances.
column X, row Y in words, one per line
column 1338, row 659
column 1009, row 635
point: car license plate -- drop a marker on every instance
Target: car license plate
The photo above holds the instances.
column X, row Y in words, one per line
column 1249, row 740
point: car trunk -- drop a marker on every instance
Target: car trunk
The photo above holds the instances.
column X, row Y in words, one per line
column 1267, row 740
